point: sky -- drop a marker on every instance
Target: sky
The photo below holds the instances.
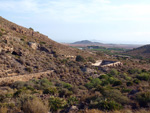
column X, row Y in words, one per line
column 106, row 21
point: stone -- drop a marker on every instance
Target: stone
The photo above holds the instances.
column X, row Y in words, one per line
column 33, row 45
column 73, row 109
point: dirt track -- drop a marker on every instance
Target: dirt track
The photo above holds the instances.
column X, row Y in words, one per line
column 25, row 77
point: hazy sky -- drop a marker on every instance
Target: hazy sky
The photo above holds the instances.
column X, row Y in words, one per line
column 110, row 21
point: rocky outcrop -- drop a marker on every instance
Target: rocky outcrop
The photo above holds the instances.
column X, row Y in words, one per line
column 33, row 45
column 73, row 109
column 6, row 49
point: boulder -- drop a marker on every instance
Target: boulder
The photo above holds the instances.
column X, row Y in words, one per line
column 33, row 45
column 73, row 109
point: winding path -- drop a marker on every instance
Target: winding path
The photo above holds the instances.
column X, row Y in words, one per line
column 25, row 77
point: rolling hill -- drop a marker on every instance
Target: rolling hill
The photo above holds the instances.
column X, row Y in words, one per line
column 141, row 52
column 86, row 42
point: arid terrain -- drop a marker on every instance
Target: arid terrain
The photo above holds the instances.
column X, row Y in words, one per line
column 39, row 75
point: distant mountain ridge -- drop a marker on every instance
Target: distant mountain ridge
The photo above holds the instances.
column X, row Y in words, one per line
column 87, row 42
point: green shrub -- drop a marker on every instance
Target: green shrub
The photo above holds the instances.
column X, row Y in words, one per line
column 129, row 83
column 115, row 95
column 144, row 76
column 109, row 105
column 1, row 34
column 103, row 77
column 112, row 80
column 2, row 30
column 93, row 83
column 56, row 103
column 24, row 90
column 2, row 97
column 67, row 85
column 117, row 83
column 137, row 81
column 128, row 78
column 65, row 92
column 50, row 90
column 42, row 43
column 18, row 84
column 80, row 58
column 30, row 85
column 105, row 82
column 114, row 72
column 132, row 71
column 43, row 83
column 143, row 99
column 125, row 90
column 72, row 100
column 31, row 29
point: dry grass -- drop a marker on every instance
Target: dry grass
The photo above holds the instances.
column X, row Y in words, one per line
column 143, row 111
column 121, row 111
column 3, row 110
column 34, row 106
column 91, row 111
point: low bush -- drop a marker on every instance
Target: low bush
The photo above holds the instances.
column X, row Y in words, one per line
column 129, row 83
column 143, row 99
column 93, row 83
column 125, row 90
column 114, row 72
column 137, row 81
column 117, row 83
column 115, row 95
column 50, row 90
column 18, row 84
column 134, row 71
column 67, row 85
column 109, row 105
column 80, row 58
column 144, row 76
column 34, row 106
column 56, row 103
column 104, row 77
column 65, row 92
column 43, row 84
column 72, row 100
column 112, row 80
column 1, row 34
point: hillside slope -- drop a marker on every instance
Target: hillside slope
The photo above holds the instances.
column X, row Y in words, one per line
column 141, row 52
column 24, row 51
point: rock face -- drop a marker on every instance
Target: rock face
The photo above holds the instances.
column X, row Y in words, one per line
column 6, row 49
column 33, row 45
